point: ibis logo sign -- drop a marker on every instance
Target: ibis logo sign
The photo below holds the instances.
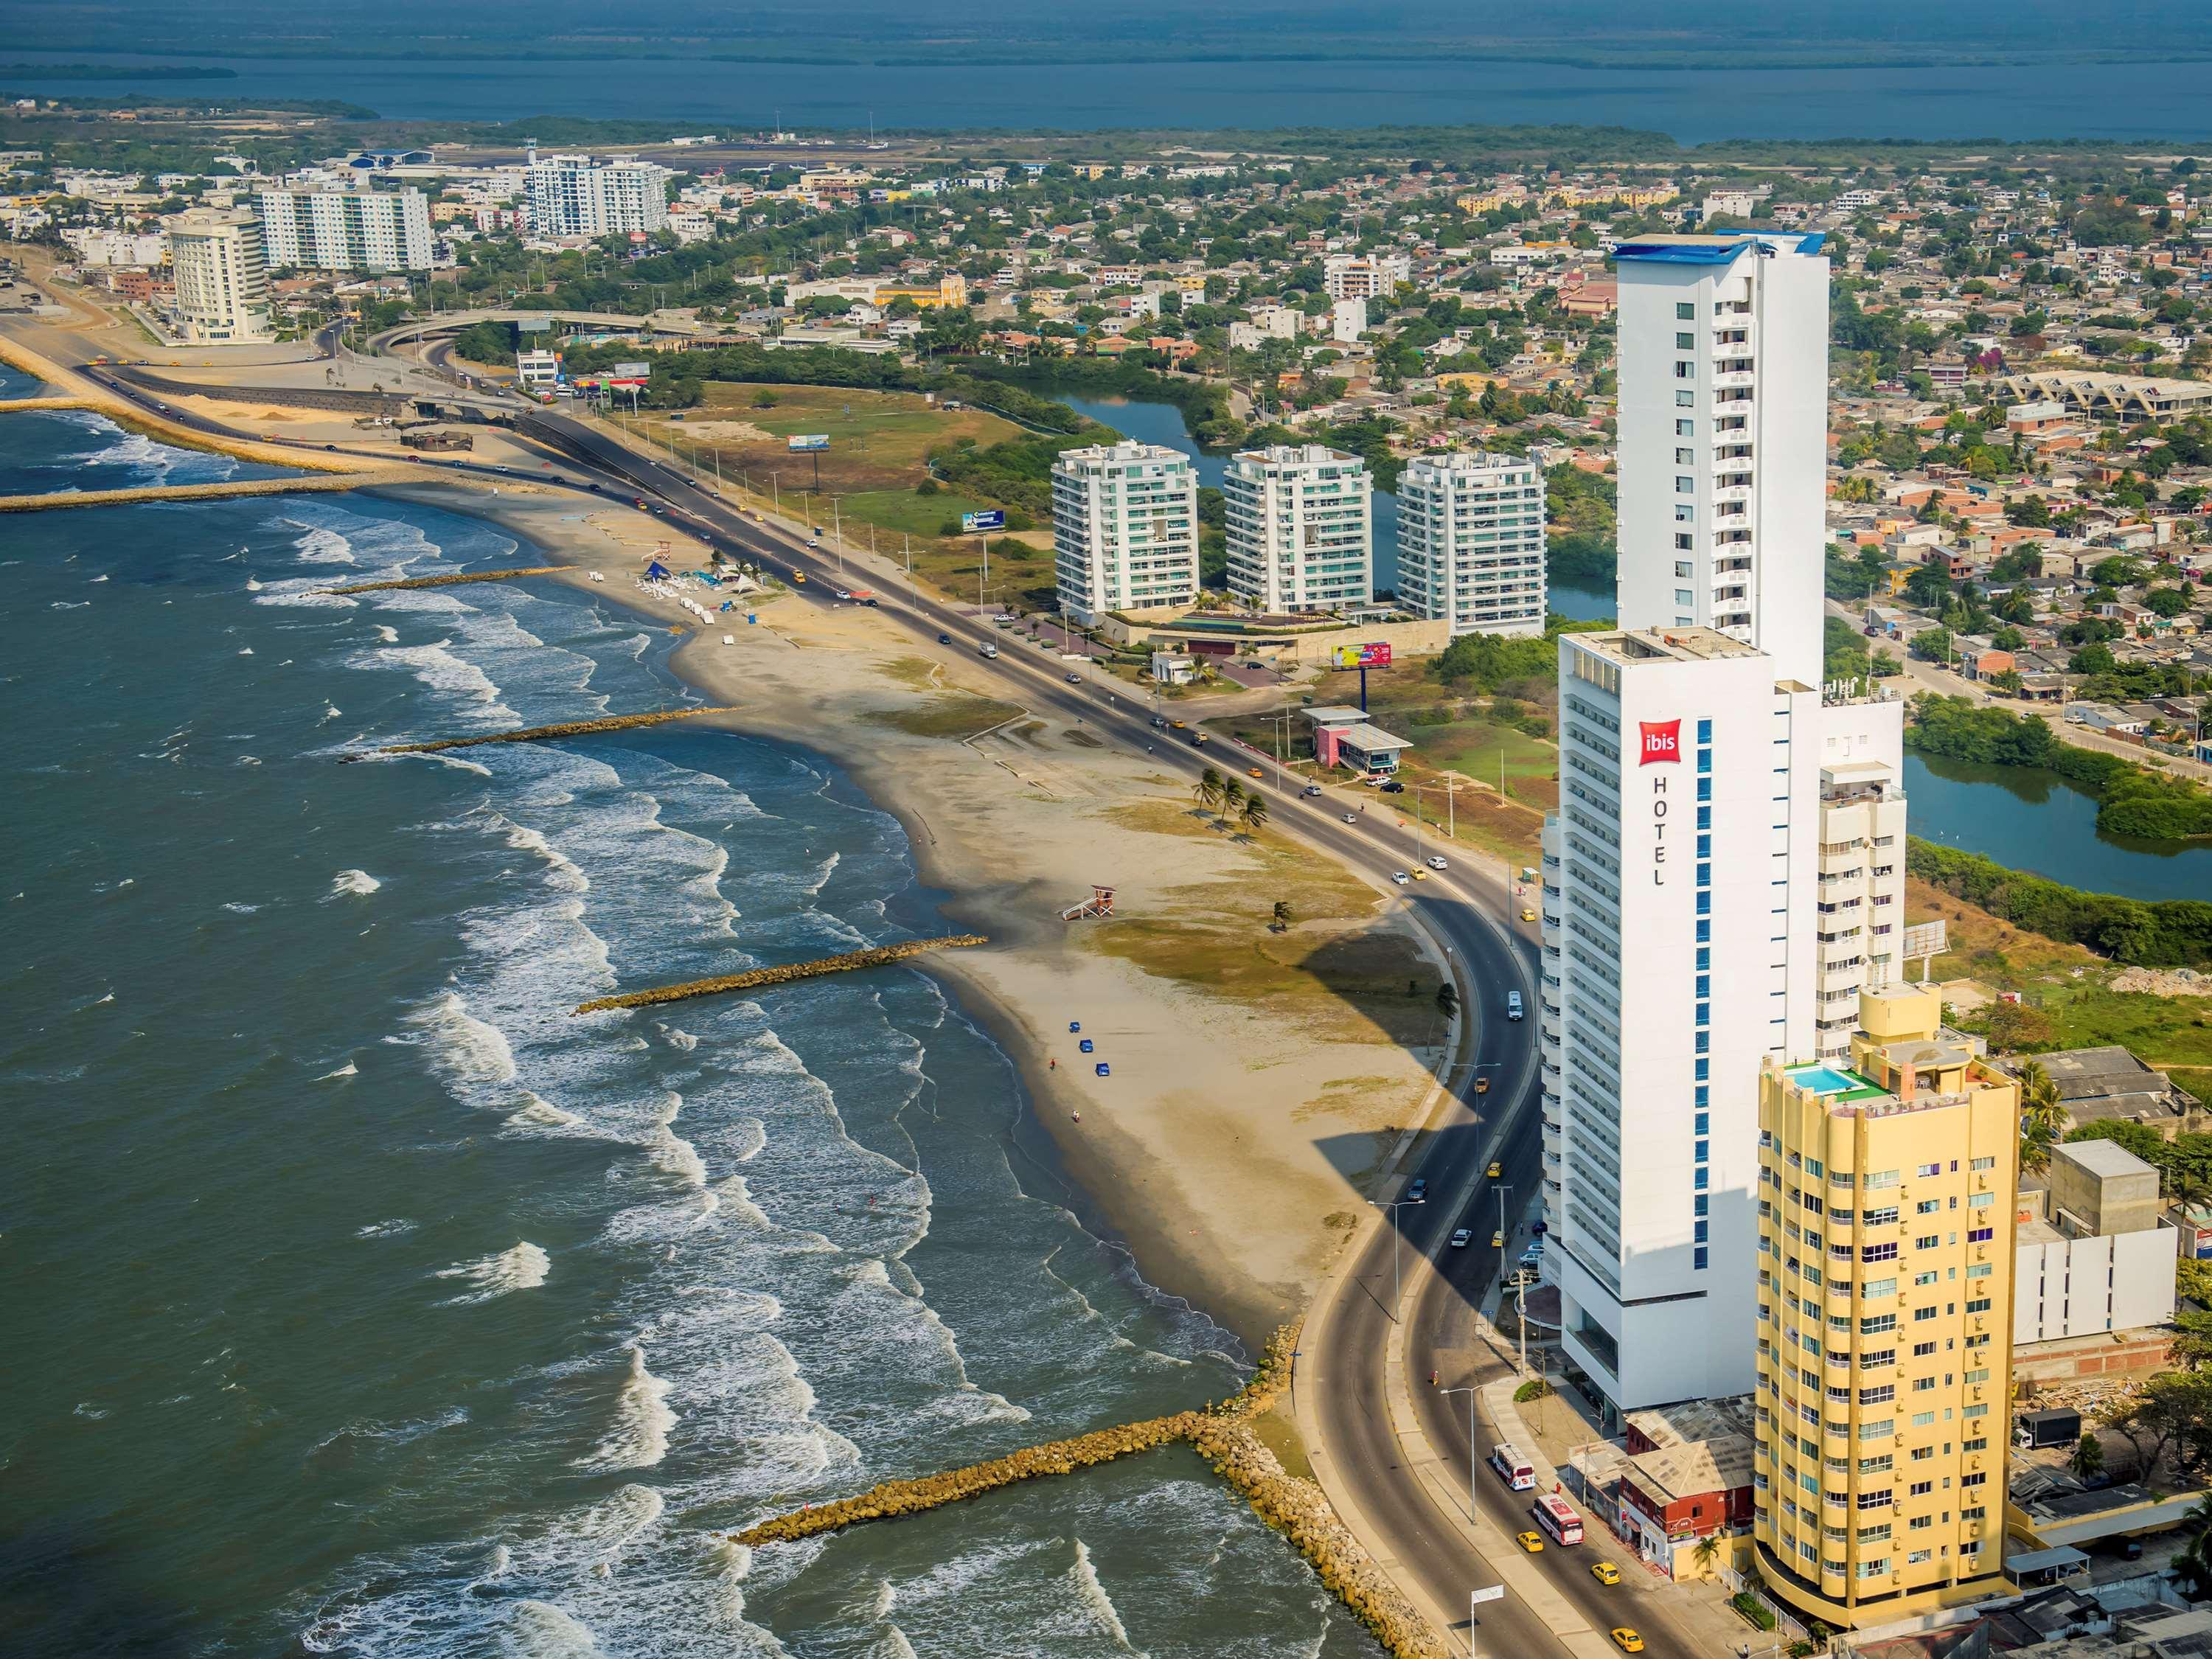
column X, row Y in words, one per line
column 1663, row 742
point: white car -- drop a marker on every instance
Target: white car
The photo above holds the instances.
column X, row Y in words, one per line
column 1399, row 876
column 1462, row 1238
column 842, row 592
column 1352, row 818
column 1438, row 864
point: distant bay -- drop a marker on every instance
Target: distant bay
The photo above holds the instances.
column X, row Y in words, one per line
column 2155, row 100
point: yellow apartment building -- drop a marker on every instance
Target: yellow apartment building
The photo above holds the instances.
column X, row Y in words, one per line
column 1885, row 1320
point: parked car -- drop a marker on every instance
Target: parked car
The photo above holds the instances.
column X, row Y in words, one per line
column 1393, row 787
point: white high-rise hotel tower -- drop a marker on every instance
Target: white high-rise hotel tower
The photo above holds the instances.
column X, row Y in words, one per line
column 1727, row 860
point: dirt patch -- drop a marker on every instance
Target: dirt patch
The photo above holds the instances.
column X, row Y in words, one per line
column 954, row 717
column 727, row 432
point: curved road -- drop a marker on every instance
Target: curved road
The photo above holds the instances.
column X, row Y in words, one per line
column 1344, row 1362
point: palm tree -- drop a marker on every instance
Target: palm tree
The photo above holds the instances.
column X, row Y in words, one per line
column 1207, row 790
column 2087, row 1460
column 1707, row 1551
column 2042, row 1117
column 1446, row 998
column 1255, row 812
column 1232, row 799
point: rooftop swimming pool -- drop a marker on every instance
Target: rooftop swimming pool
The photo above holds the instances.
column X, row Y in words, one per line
column 1826, row 1080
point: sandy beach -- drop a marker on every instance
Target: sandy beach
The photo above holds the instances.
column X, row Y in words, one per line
column 1259, row 1076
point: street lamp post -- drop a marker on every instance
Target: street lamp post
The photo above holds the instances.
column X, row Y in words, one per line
column 1397, row 1248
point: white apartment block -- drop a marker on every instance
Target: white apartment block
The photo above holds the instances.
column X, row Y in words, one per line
column 579, row 196
column 1364, row 275
column 1124, row 529
column 370, row 231
column 1300, row 523
column 1726, row 870
column 1471, row 541
column 221, row 276
column 1666, row 979
column 1723, row 447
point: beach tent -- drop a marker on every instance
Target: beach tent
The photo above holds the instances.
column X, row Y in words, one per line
column 657, row 571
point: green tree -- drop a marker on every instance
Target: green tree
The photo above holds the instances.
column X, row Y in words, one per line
column 1207, row 791
column 1255, row 812
column 1447, row 1000
column 2087, row 1459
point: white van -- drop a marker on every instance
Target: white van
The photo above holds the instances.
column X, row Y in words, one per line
column 1513, row 1009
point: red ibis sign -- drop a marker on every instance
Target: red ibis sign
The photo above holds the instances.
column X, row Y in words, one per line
column 1663, row 742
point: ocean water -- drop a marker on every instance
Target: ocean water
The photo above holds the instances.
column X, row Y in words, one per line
column 2146, row 96
column 363, row 1301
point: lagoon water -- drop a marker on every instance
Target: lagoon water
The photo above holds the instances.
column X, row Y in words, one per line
column 363, row 1300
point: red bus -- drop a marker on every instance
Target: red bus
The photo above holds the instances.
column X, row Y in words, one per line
column 1557, row 1518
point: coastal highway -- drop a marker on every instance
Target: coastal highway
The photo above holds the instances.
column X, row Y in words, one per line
column 1473, row 914
column 1469, row 910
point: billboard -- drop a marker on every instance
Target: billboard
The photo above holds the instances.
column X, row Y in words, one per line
column 803, row 441
column 632, row 371
column 989, row 519
column 1662, row 743
column 1375, row 655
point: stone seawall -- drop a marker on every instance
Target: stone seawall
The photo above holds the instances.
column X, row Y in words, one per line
column 1224, row 1437
column 197, row 492
column 453, row 580
column 536, row 733
column 851, row 962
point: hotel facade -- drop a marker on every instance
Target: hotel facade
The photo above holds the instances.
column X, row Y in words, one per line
column 1124, row 529
column 1730, row 831
column 1886, row 1192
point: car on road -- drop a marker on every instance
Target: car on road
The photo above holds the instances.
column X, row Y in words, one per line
column 1436, row 863
column 1531, row 1542
column 1497, row 1241
column 842, row 592
column 1495, row 1170
column 1352, row 818
column 1399, row 876
column 1627, row 1640
column 1528, row 914
column 1482, row 1085
column 1462, row 1238
column 1159, row 722
column 1420, row 875
column 1418, row 1192
column 1313, row 789
column 1513, row 1009
column 1605, row 1572
column 1253, row 772
column 944, row 638
column 1074, row 679
column 799, row 577
column 814, row 540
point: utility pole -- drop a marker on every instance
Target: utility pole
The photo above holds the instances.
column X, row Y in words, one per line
column 1397, row 1248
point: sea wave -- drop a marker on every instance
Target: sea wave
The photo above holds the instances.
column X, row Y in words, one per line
column 521, row 1268
column 358, row 883
column 639, row 1437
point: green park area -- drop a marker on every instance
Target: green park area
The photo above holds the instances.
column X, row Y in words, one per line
column 883, row 479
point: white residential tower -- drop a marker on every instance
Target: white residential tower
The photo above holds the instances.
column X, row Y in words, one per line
column 371, row 231
column 1471, row 541
column 1124, row 529
column 1300, row 528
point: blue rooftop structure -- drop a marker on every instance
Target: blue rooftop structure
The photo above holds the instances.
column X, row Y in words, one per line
column 1718, row 250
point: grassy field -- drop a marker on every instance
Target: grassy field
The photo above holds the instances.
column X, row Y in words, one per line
column 879, row 444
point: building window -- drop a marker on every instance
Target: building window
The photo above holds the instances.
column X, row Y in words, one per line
column 1704, row 792
column 1685, row 310
column 1685, row 399
column 1685, row 343
column 1686, row 429
column 1698, row 1254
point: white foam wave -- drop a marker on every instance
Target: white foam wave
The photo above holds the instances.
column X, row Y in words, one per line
column 538, row 1113
column 358, row 882
column 670, row 1152
column 242, row 910
column 437, row 667
column 522, row 1268
column 1092, row 1594
column 564, row 875
column 347, row 1070
column 398, row 1227
column 252, row 585
column 319, row 546
column 541, row 1630
column 389, row 635
column 639, row 1437
column 466, row 1050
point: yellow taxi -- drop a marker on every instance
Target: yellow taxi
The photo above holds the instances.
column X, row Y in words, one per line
column 1420, row 875
column 1253, row 772
column 1627, row 1640
column 1495, row 1170
column 1178, row 725
column 1482, row 1085
column 1531, row 1542
column 1497, row 1241
column 1527, row 914
column 1605, row 1572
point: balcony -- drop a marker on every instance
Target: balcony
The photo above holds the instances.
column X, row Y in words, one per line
column 1733, row 377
